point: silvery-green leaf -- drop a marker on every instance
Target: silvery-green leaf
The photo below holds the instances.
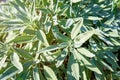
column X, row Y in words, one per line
column 62, row 57
column 2, row 62
column 72, row 69
column 76, row 28
column 36, row 74
column 58, row 35
column 82, row 38
column 22, row 39
column 42, row 37
column 53, row 47
column 49, row 73
column 16, row 62
column 85, row 52
column 88, row 64
column 8, row 73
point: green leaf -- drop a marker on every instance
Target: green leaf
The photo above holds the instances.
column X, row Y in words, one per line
column 88, row 64
column 48, row 27
column 62, row 57
column 23, row 53
column 73, row 69
column 102, row 37
column 49, row 73
column 16, row 62
column 29, row 31
column 83, row 72
column 42, row 37
column 82, row 38
column 70, row 21
column 58, row 35
column 112, row 55
column 23, row 75
column 36, row 74
column 12, row 22
column 8, row 73
column 106, row 65
column 85, row 52
column 53, row 47
column 22, row 39
column 76, row 28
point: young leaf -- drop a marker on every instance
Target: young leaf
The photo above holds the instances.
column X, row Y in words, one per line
column 15, row 61
column 76, row 28
column 85, row 52
column 49, row 73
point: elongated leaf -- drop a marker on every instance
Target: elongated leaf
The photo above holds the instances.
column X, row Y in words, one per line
column 29, row 31
column 75, row 1
column 23, row 75
column 36, row 74
column 23, row 53
column 42, row 37
column 107, row 66
column 49, row 73
column 8, row 73
column 76, row 28
column 86, row 62
column 105, row 40
column 82, row 38
column 94, row 18
column 12, row 22
column 83, row 72
column 73, row 69
column 48, row 27
column 53, row 47
column 10, row 36
column 62, row 57
column 111, row 55
column 85, row 52
column 15, row 61
column 22, row 39
column 58, row 35
column 2, row 61
column 70, row 21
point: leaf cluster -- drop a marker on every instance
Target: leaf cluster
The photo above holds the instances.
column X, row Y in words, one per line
column 59, row 40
